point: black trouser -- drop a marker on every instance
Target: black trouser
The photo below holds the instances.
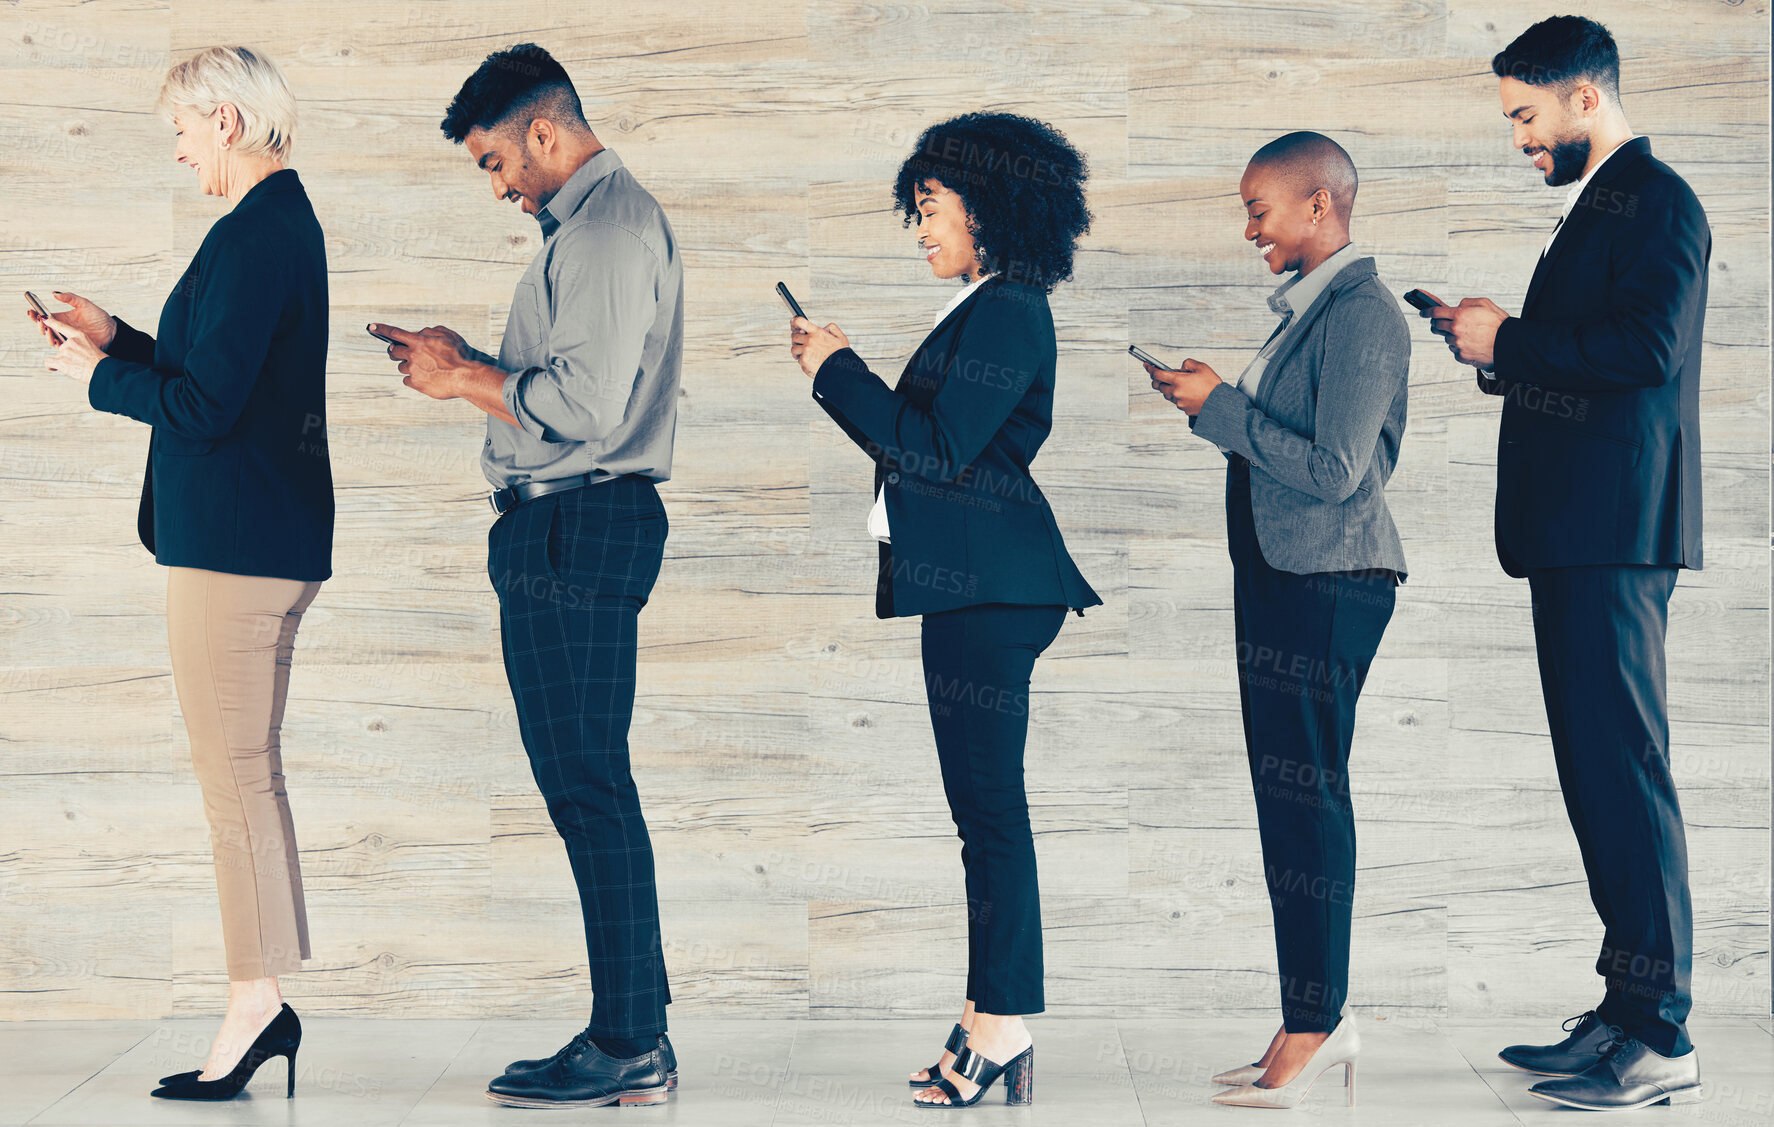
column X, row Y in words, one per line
column 573, row 571
column 1304, row 643
column 1599, row 633
column 977, row 662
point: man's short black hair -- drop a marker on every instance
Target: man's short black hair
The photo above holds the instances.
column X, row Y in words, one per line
column 1561, row 52
column 512, row 88
column 1021, row 182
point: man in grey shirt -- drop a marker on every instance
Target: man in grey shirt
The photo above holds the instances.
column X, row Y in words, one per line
column 582, row 407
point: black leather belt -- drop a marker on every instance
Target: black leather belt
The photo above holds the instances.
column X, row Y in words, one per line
column 511, row 496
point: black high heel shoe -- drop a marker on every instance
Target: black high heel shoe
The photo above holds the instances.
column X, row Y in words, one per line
column 1018, row 1073
column 956, row 1042
column 279, row 1039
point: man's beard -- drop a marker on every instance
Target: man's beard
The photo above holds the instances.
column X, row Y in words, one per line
column 1568, row 159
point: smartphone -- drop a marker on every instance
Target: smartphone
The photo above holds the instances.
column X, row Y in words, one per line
column 1421, row 299
column 1147, row 358
column 379, row 336
column 38, row 306
column 789, row 300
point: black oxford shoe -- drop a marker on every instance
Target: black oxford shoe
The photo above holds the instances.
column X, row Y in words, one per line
column 583, row 1075
column 1629, row 1075
column 1567, row 1058
column 671, row 1063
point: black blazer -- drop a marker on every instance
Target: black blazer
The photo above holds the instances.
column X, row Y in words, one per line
column 238, row 477
column 1598, row 458
column 952, row 443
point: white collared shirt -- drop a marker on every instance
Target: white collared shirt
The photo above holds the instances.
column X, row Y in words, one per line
column 878, row 514
column 1576, row 191
column 1293, row 298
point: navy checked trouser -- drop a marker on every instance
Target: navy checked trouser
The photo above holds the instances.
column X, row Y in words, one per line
column 572, row 571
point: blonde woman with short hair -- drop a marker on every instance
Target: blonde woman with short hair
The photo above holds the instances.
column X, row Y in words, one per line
column 237, row 504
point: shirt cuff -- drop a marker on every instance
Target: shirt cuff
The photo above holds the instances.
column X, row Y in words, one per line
column 511, row 391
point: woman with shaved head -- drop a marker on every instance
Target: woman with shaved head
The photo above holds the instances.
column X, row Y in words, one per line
column 1311, row 430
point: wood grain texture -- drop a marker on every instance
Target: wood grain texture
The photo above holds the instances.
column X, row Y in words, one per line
column 808, row 865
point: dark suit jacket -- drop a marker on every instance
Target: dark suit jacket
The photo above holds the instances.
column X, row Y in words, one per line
column 1598, row 458
column 952, row 443
column 238, row 477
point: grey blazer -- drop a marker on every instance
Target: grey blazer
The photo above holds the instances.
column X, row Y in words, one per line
column 1323, row 433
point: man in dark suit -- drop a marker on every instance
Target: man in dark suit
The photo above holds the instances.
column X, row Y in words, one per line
column 1598, row 505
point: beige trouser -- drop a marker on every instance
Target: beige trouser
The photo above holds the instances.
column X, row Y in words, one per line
column 231, row 637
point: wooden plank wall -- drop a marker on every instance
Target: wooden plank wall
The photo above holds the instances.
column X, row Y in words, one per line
column 780, row 740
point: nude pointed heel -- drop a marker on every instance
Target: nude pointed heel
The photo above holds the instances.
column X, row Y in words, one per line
column 1341, row 1047
column 1251, row 1073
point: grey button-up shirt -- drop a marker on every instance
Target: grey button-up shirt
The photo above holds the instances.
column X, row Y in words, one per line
column 1292, row 298
column 595, row 338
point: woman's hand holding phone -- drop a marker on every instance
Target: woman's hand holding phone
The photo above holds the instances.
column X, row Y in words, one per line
column 1187, row 387
column 97, row 325
column 810, row 345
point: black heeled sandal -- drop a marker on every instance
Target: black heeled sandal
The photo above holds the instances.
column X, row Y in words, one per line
column 1018, row 1073
column 956, row 1042
column 279, row 1039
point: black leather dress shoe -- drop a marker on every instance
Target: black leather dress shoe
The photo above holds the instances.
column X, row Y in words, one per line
column 671, row 1063
column 1629, row 1075
column 1575, row 1053
column 583, row 1075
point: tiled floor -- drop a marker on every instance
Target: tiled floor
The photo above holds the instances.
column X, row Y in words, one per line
column 363, row 1073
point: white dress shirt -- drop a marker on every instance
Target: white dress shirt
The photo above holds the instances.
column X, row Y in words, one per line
column 1294, row 297
column 1570, row 202
column 878, row 514
column 1571, row 198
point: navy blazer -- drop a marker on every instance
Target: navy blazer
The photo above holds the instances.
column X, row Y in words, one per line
column 238, row 477
column 952, row 442
column 1598, row 456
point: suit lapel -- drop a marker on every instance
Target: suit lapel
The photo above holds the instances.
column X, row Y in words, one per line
column 1540, row 265
column 1576, row 225
column 1568, row 233
column 944, row 330
column 1296, row 333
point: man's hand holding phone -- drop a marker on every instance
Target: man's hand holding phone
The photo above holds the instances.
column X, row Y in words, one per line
column 1469, row 328
column 437, row 362
column 431, row 359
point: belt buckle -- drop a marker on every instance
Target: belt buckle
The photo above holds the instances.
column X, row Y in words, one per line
column 493, row 500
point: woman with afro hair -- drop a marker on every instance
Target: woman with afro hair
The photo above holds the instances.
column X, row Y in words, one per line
column 967, row 540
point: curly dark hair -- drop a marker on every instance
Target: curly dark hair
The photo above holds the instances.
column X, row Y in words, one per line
column 1021, row 182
